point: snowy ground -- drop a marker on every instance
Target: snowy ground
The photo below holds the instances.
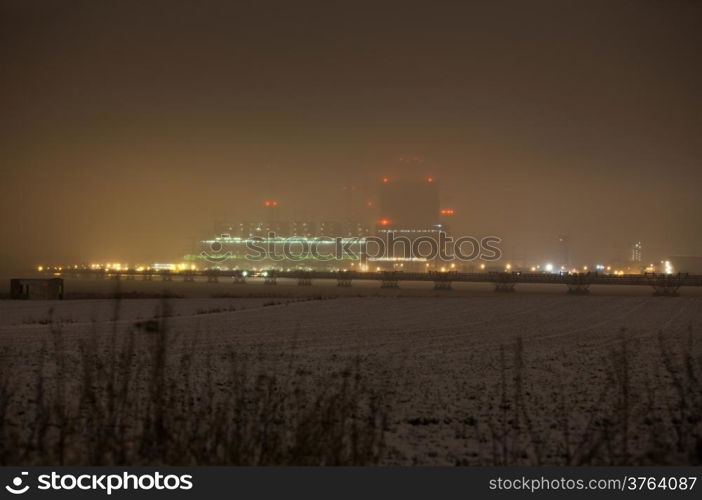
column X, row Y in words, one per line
column 438, row 356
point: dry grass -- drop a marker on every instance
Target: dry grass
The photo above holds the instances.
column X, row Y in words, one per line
column 650, row 415
column 135, row 400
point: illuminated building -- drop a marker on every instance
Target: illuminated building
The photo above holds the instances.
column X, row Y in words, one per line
column 636, row 252
column 232, row 242
column 406, row 208
column 280, row 252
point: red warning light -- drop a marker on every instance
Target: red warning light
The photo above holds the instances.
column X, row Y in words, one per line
column 369, row 203
column 270, row 203
column 386, row 180
column 384, row 222
column 447, row 211
column 430, row 180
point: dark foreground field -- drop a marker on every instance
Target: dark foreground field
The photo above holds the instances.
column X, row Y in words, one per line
column 314, row 378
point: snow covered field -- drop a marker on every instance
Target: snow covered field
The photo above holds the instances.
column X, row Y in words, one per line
column 459, row 386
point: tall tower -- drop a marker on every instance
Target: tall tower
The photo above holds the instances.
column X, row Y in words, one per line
column 409, row 209
column 636, row 252
column 409, row 204
column 563, row 251
column 271, row 211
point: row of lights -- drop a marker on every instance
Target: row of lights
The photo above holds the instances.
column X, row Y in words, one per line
column 667, row 266
column 121, row 267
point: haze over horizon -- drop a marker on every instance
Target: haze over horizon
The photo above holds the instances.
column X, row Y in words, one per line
column 128, row 128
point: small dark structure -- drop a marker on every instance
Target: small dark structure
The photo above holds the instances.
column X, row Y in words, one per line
column 390, row 279
column 36, row 289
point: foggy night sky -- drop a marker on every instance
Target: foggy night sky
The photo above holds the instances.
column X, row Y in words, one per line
column 127, row 128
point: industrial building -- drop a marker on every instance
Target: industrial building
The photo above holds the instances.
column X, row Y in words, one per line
column 406, row 208
column 410, row 210
column 409, row 204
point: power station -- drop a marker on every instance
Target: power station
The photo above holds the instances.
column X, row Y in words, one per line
column 405, row 210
